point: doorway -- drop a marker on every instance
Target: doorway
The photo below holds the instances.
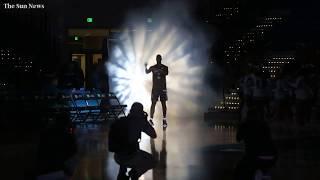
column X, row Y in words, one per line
column 81, row 59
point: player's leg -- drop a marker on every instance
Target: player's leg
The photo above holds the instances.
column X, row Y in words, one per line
column 154, row 98
column 163, row 99
column 153, row 106
column 164, row 109
column 164, row 113
column 141, row 163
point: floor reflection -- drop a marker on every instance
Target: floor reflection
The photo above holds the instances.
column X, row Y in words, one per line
column 95, row 161
column 190, row 150
column 160, row 171
column 178, row 150
column 187, row 150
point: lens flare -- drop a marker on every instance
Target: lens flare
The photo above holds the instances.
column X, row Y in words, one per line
column 179, row 52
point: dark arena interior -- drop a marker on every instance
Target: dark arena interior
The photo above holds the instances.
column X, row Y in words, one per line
column 238, row 83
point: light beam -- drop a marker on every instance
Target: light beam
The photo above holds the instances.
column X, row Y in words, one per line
column 140, row 45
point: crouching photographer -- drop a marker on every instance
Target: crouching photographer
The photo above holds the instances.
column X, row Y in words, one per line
column 124, row 137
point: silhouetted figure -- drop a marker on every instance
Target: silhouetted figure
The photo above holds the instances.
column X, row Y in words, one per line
column 72, row 76
column 260, row 153
column 281, row 99
column 260, row 94
column 159, row 88
column 246, row 92
column 100, row 77
column 124, row 138
column 303, row 102
column 100, row 83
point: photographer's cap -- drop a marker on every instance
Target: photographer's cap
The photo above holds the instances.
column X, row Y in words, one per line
column 136, row 108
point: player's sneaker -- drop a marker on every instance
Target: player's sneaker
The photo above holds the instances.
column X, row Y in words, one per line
column 164, row 123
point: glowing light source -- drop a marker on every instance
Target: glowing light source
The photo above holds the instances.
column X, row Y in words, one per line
column 135, row 48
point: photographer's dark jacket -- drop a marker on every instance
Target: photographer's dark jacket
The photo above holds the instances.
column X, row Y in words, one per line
column 130, row 129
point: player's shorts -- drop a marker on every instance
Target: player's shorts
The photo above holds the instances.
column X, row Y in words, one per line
column 156, row 93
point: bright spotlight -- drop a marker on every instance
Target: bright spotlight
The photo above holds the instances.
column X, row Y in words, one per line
column 139, row 46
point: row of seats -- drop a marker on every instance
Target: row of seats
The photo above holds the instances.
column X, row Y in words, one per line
column 91, row 106
column 83, row 106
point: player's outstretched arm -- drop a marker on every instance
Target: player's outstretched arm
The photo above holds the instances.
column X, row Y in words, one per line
column 146, row 69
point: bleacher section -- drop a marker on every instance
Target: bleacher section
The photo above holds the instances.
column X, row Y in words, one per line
column 83, row 106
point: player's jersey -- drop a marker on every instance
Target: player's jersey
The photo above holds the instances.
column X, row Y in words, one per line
column 159, row 72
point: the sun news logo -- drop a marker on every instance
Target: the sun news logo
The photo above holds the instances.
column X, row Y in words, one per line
column 24, row 5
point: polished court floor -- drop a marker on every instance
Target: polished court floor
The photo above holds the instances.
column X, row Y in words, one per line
column 180, row 150
column 190, row 150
